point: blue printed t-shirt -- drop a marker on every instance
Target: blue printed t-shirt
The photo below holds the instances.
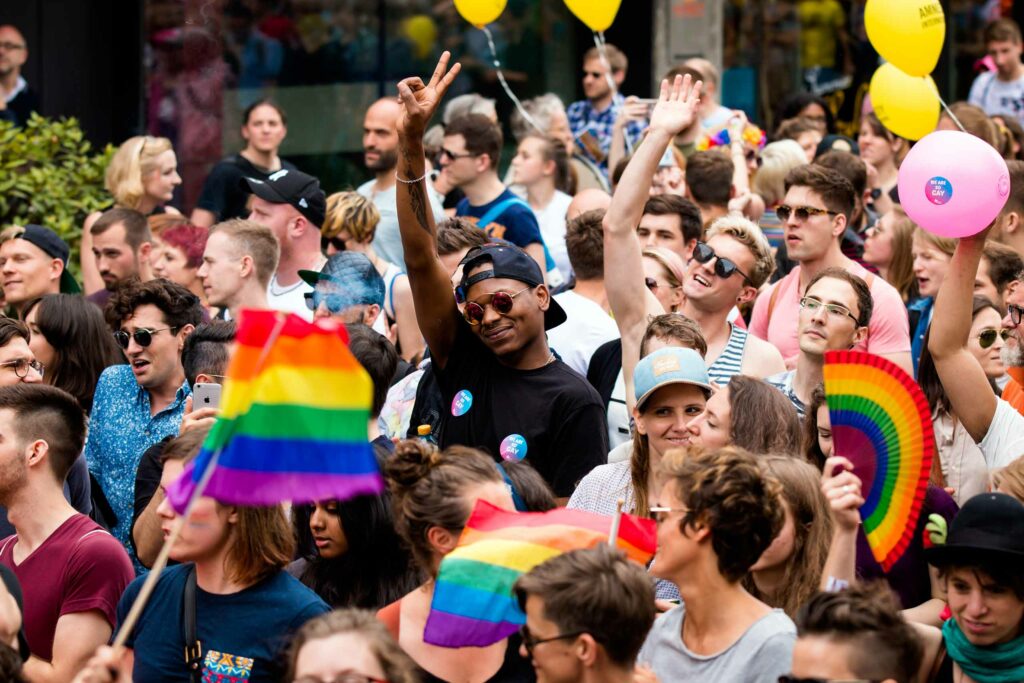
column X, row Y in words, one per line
column 516, row 223
column 121, row 428
column 241, row 633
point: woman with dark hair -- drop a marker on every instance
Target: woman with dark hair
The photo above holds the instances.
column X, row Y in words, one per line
column 807, row 105
column 356, row 558
column 817, row 436
column 751, row 414
column 884, row 151
column 961, row 464
column 981, row 565
column 72, row 341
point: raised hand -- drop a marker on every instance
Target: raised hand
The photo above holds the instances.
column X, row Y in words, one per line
column 419, row 101
column 677, row 105
column 842, row 489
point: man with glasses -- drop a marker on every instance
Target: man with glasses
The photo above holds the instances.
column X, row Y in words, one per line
column 834, row 315
column 17, row 100
column 587, row 613
column 856, row 634
column 140, row 403
column 503, row 389
column 814, row 214
column 380, row 156
column 469, row 157
column 1013, row 351
column 238, row 262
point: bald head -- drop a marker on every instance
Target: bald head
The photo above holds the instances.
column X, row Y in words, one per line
column 588, row 200
column 12, row 59
column 380, row 135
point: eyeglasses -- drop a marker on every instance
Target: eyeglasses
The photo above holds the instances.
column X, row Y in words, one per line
column 22, row 365
column 453, row 156
column 793, row 679
column 802, row 212
column 11, row 47
column 724, row 268
column 1016, row 313
column 142, row 336
column 501, row 302
column 988, row 337
column 345, row 677
column 659, row 514
column 336, row 303
column 813, row 305
column 530, row 642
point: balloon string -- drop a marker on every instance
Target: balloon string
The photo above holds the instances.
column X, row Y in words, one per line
column 951, row 114
column 504, row 84
column 600, row 43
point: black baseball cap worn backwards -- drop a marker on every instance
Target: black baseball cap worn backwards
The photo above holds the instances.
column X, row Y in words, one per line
column 294, row 188
column 54, row 247
column 510, row 262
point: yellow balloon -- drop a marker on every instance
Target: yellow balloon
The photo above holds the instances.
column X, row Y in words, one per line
column 598, row 15
column 908, row 33
column 906, row 105
column 480, row 12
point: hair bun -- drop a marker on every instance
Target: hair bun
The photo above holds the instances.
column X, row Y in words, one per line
column 412, row 461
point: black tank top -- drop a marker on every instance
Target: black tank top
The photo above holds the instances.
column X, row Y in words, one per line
column 514, row 669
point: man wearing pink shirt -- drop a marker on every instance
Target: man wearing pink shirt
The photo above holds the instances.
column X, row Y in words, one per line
column 814, row 214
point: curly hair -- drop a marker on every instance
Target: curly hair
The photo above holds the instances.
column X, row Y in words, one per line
column 179, row 306
column 427, row 485
column 727, row 491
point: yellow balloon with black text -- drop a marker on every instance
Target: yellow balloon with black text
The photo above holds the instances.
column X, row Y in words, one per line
column 907, row 33
column 906, row 105
column 480, row 12
column 598, row 15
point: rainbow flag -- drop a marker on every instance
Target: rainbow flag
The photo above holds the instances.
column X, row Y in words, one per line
column 473, row 603
column 293, row 419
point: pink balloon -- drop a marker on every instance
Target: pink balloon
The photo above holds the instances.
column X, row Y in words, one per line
column 953, row 184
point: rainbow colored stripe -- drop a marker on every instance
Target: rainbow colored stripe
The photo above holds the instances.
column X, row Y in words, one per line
column 293, row 419
column 882, row 424
column 473, row 603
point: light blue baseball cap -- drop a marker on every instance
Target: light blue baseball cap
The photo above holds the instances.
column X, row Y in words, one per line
column 670, row 365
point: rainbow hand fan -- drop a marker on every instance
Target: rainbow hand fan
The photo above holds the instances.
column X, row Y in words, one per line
column 881, row 423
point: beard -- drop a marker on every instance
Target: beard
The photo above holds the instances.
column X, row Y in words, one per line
column 1013, row 353
column 387, row 160
column 13, row 478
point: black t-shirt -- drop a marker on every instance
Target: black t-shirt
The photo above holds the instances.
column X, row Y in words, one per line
column 223, row 195
column 550, row 413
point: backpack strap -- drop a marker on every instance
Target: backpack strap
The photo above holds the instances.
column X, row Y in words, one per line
column 497, row 210
column 772, row 299
column 193, row 648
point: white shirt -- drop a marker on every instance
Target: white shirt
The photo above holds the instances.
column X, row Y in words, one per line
column 289, row 299
column 1004, row 441
column 587, row 326
column 552, row 228
column 387, row 241
column 998, row 97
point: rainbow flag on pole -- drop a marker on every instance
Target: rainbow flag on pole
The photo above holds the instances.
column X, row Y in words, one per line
column 473, row 603
column 293, row 420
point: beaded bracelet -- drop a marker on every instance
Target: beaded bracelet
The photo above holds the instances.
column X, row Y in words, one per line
column 410, row 182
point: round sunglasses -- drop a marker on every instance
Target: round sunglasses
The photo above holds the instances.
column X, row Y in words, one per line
column 724, row 268
column 988, row 337
column 142, row 336
column 500, row 301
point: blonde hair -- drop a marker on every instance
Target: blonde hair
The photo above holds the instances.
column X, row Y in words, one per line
column 671, row 262
column 749, row 235
column 1010, row 479
column 249, row 238
column 131, row 163
column 946, row 245
column 353, row 212
column 777, row 159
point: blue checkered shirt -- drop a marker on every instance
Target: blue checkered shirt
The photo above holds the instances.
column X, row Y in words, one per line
column 583, row 118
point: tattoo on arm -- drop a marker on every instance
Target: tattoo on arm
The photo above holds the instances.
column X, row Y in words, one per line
column 417, row 195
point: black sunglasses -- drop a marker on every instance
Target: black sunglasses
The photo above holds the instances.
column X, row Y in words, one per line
column 336, row 242
column 530, row 642
column 802, row 212
column 142, row 336
column 988, row 337
column 1016, row 313
column 724, row 268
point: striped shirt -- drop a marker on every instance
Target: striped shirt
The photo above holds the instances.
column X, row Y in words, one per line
column 730, row 361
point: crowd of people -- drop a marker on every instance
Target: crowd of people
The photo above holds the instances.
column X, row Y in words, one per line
column 637, row 310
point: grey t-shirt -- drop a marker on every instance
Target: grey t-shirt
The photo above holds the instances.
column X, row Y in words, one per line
column 387, row 241
column 762, row 654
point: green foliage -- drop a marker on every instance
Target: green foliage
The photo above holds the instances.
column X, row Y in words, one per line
column 50, row 175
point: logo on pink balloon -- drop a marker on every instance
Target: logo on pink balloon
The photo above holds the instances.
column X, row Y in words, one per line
column 938, row 190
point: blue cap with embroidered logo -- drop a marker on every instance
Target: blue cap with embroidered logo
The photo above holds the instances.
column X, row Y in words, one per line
column 671, row 365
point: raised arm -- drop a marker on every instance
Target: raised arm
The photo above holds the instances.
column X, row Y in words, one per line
column 432, row 295
column 629, row 299
column 962, row 377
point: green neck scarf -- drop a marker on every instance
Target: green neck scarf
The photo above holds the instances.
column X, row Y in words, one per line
column 997, row 664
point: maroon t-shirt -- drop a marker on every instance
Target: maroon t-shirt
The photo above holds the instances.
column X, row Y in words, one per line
column 79, row 568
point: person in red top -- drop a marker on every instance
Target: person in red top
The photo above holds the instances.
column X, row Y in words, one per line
column 72, row 571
